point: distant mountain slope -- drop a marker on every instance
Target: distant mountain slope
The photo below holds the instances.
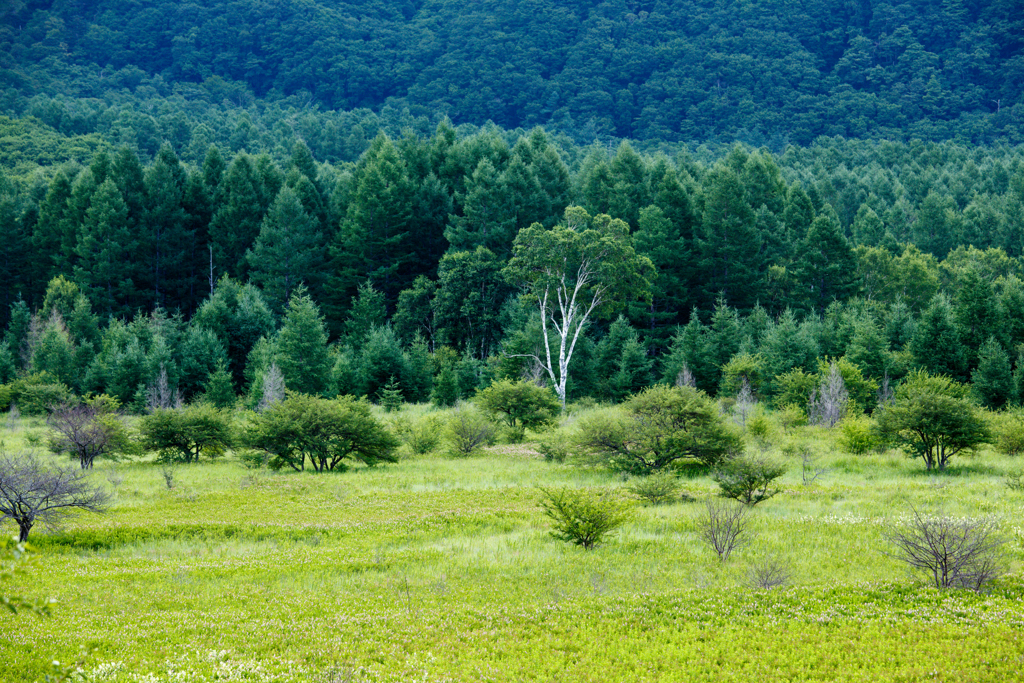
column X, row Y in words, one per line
column 650, row 69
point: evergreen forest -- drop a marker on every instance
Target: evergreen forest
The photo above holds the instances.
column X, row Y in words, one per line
column 809, row 181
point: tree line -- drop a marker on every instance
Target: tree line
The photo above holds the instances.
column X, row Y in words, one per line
column 898, row 256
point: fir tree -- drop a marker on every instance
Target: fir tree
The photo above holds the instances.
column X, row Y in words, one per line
column 302, row 352
column 287, row 251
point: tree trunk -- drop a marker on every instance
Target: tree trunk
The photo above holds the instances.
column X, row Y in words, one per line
column 24, row 526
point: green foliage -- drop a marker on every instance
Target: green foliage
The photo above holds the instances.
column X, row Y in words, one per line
column 35, row 394
column 748, row 478
column 556, row 446
column 468, row 431
column 1009, row 432
column 219, row 390
column 932, row 418
column 186, row 434
column 422, row 434
column 583, row 517
column 657, row 429
column 520, row 405
column 390, row 395
column 326, row 432
column 301, row 347
column 656, row 489
column 859, row 435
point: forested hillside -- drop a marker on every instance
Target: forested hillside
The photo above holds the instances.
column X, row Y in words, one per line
column 662, row 70
column 185, row 188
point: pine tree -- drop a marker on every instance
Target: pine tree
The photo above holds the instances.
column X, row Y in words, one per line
column 49, row 235
column 868, row 228
column 104, row 247
column 302, row 352
column 868, row 349
column 287, row 251
column 164, row 239
column 826, row 268
column 936, row 345
column 659, row 239
column 374, row 241
column 976, row 312
column 235, row 225
column 630, row 185
column 992, row 381
column 368, row 311
column 484, row 221
column 729, row 245
column 219, row 389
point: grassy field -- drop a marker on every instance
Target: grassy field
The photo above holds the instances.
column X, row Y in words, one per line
column 442, row 569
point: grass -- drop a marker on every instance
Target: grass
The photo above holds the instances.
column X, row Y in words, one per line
column 443, row 569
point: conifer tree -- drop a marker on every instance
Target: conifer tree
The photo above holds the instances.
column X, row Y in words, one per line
column 826, row 269
column 374, row 240
column 236, row 222
column 104, row 248
column 287, row 251
column 302, row 353
column 992, row 381
column 50, row 234
column 936, row 345
column 163, row 235
column 729, row 245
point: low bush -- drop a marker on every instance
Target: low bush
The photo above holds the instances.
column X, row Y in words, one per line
column 468, row 431
column 1009, row 433
column 583, row 517
column 858, row 435
column 656, row 489
column 748, row 479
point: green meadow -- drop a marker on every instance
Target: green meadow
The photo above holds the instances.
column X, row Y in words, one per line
column 443, row 569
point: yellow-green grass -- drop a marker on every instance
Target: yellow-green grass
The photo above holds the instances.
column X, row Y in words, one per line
column 442, row 569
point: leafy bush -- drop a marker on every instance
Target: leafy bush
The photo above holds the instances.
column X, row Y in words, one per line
column 35, row 395
column 423, row 434
column 931, row 417
column 748, row 479
column 520, row 406
column 1009, row 433
column 656, row 489
column 760, row 427
column 858, row 435
column 556, row 446
column 185, row 434
column 468, row 431
column 325, row 432
column 583, row 517
column 656, row 429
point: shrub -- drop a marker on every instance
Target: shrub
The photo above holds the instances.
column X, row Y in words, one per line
column 185, row 434
column 32, row 491
column 957, row 553
column 656, row 489
column 769, row 573
column 656, row 429
column 422, row 435
column 748, row 479
column 326, row 432
column 556, row 446
column 723, row 526
column 520, row 406
column 583, row 517
column 760, row 427
column 858, row 435
column 1009, row 433
column 468, row 431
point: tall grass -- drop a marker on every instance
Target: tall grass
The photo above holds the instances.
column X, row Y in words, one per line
column 439, row 568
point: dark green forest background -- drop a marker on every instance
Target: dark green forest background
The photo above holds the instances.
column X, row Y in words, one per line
column 205, row 191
